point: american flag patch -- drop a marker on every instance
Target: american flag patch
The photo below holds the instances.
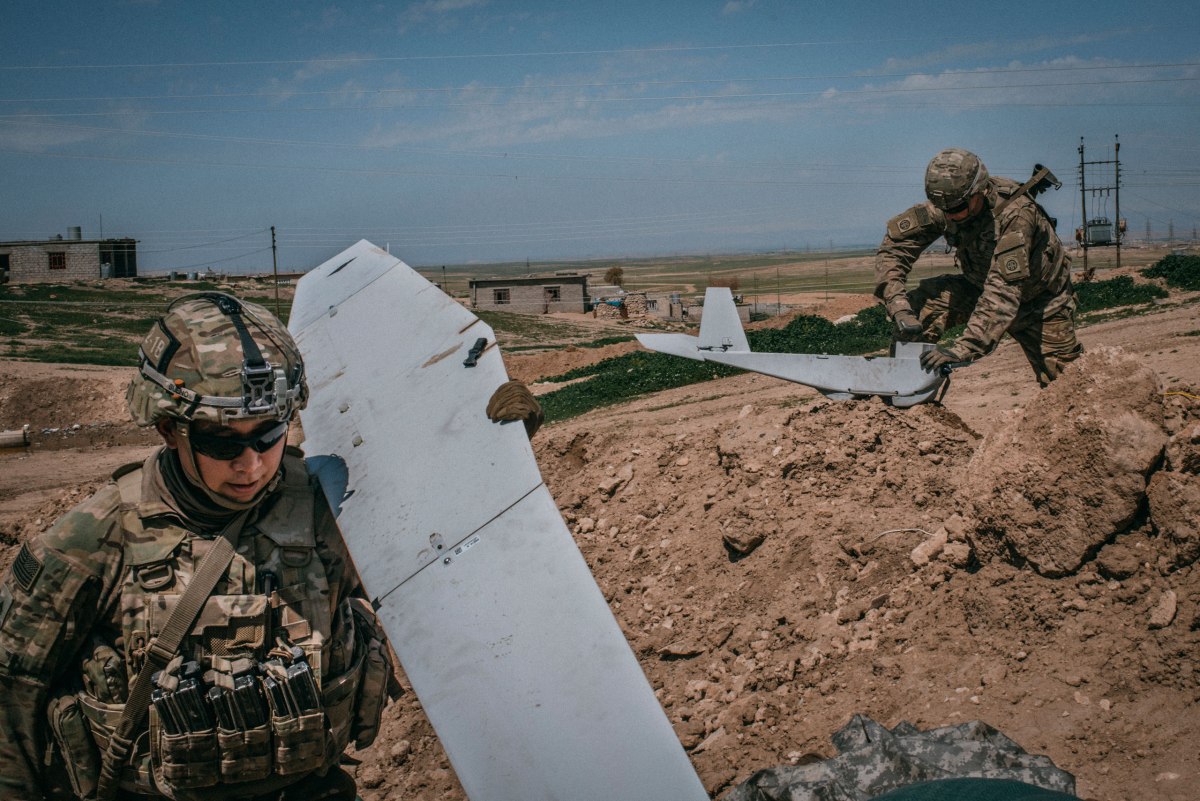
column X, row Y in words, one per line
column 26, row 568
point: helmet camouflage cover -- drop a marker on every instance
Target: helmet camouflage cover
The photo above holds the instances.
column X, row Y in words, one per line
column 952, row 177
column 216, row 358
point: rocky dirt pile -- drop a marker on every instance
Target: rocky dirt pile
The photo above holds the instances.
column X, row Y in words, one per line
column 781, row 568
column 1061, row 478
column 780, row 564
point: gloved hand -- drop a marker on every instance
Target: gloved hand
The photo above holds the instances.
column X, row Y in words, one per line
column 908, row 327
column 937, row 358
column 513, row 401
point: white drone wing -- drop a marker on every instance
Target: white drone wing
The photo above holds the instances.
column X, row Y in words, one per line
column 508, row 642
column 898, row 378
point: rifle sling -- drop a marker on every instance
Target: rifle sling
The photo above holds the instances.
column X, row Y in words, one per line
column 1038, row 177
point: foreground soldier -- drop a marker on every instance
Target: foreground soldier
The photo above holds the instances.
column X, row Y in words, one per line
column 1015, row 275
column 196, row 629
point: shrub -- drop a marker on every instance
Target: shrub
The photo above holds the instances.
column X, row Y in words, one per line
column 1119, row 291
column 1180, row 271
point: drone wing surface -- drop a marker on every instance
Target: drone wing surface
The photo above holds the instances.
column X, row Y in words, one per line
column 898, row 378
column 495, row 616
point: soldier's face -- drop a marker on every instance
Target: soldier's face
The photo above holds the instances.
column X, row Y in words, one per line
column 974, row 206
column 245, row 475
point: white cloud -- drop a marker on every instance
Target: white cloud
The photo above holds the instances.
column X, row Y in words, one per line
column 975, row 51
column 737, row 6
column 1066, row 80
column 436, row 12
column 34, row 137
column 304, row 75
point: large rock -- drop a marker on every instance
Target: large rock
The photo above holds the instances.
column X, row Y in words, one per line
column 1175, row 512
column 1052, row 483
column 1183, row 451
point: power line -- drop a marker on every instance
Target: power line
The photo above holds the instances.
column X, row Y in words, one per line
column 222, row 261
column 208, row 244
column 447, row 174
column 452, row 56
column 574, row 101
column 526, row 87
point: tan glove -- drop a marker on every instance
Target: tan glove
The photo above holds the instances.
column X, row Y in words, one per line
column 908, row 327
column 513, row 401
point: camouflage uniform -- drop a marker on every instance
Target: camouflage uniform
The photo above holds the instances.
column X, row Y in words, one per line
column 82, row 601
column 966, row 761
column 83, row 604
column 1015, row 278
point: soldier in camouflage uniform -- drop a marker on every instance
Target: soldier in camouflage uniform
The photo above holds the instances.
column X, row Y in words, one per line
column 278, row 667
column 1015, row 274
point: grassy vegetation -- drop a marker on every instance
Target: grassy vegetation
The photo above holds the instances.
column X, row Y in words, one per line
column 625, row 377
column 91, row 323
column 113, row 353
column 1119, row 291
column 519, row 329
column 1182, row 272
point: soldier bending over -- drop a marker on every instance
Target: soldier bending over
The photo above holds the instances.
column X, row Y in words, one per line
column 1015, row 275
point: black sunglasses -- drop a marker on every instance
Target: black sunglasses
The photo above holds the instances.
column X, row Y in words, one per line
column 225, row 448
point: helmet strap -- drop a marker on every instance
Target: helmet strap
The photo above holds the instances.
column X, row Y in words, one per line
column 258, row 377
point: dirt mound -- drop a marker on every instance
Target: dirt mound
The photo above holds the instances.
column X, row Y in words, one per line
column 779, row 568
column 780, row 563
column 1174, row 491
column 59, row 396
column 1067, row 473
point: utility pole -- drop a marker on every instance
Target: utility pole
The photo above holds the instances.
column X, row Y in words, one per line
column 1114, row 235
column 275, row 270
column 830, row 253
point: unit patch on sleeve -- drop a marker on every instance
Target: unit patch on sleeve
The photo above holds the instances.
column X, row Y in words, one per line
column 904, row 225
column 1012, row 257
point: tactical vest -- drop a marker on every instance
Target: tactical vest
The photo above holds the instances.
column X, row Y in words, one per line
column 281, row 681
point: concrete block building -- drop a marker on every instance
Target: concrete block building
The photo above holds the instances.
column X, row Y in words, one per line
column 531, row 295
column 71, row 259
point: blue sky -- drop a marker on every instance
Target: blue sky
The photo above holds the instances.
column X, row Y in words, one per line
column 462, row 131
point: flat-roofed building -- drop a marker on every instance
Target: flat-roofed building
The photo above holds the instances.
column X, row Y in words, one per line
column 531, row 294
column 71, row 259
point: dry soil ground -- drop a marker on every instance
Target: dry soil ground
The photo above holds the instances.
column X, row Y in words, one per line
column 780, row 562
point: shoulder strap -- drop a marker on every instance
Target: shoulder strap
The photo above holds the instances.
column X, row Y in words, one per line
column 161, row 651
column 1041, row 178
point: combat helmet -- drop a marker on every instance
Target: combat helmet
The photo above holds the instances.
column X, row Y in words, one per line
column 952, row 177
column 216, row 358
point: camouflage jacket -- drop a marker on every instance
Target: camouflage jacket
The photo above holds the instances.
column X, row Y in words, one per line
column 1014, row 257
column 83, row 600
